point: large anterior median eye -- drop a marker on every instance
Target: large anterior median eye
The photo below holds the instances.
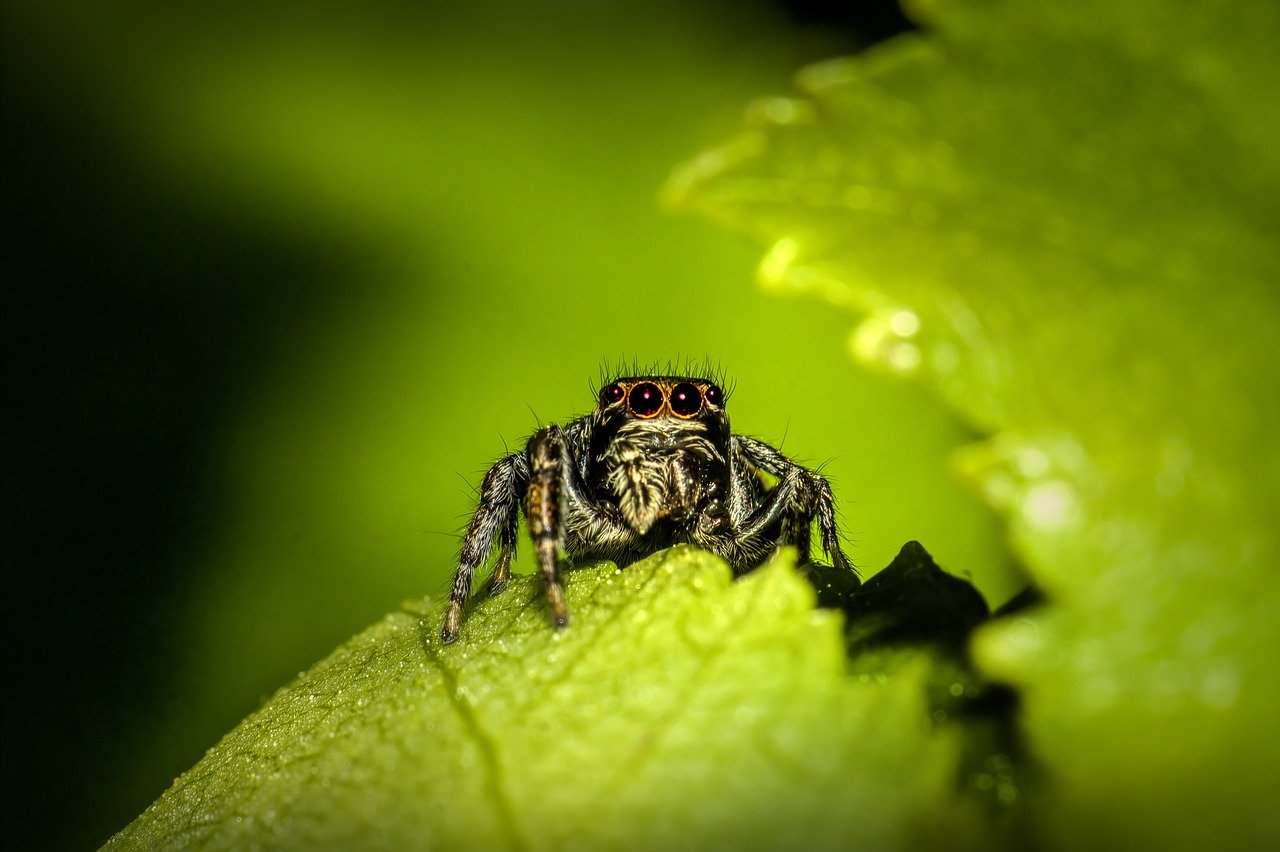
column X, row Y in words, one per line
column 645, row 400
column 686, row 400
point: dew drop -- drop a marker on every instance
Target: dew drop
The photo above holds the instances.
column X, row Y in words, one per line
column 904, row 358
column 1050, row 505
column 905, row 323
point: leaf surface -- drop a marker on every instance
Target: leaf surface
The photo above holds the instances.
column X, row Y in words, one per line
column 679, row 710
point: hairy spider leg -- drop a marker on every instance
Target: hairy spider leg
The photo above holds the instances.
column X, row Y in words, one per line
column 795, row 532
column 557, row 501
column 756, row 516
column 589, row 527
column 802, row 492
column 502, row 569
column 543, row 508
column 499, row 508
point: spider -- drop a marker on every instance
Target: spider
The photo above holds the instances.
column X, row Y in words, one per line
column 653, row 465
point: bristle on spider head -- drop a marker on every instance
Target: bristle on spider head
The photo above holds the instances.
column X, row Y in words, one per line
column 704, row 369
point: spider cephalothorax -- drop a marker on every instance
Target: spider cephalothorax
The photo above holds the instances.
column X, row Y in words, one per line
column 653, row 465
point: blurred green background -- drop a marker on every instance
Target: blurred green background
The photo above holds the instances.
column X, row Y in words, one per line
column 283, row 280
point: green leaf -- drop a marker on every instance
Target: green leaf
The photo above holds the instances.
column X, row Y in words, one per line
column 678, row 710
column 1066, row 219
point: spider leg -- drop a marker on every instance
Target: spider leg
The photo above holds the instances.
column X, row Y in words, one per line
column 563, row 518
column 543, row 507
column 800, row 496
column 502, row 570
column 500, row 493
column 751, row 524
column 795, row 531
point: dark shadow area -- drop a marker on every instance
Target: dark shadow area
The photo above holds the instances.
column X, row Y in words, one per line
column 914, row 605
column 913, row 602
column 134, row 324
column 861, row 23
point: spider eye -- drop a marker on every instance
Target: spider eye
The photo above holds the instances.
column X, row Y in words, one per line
column 612, row 394
column 645, row 400
column 686, row 401
column 714, row 395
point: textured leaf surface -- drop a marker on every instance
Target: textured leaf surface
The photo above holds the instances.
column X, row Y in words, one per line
column 1067, row 220
column 679, row 710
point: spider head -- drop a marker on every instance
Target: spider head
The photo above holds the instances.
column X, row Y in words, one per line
column 662, row 444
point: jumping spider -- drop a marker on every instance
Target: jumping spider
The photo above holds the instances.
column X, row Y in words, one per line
column 654, row 465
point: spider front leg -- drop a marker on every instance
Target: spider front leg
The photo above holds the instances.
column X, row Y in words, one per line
column 544, row 503
column 800, row 495
column 562, row 515
column 500, row 494
column 502, row 570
